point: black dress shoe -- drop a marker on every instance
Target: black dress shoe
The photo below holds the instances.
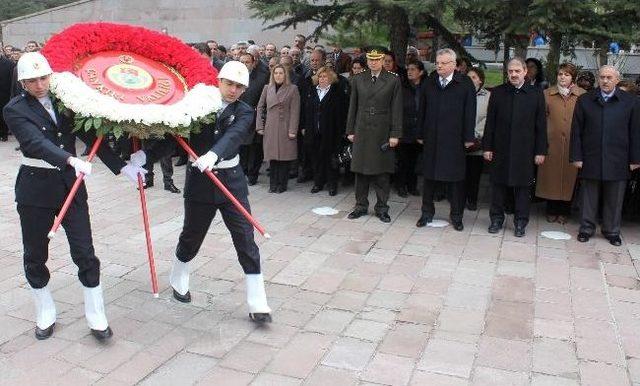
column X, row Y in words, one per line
column 333, row 191
column 384, row 217
column 293, row 175
column 316, row 189
column 4, row 138
column 583, row 237
column 171, row 188
column 356, row 214
column 186, row 298
column 281, row 189
column 519, row 231
column 414, row 192
column 102, row 335
column 472, row 206
column 402, row 192
column 458, row 225
column 495, row 227
column 260, row 317
column 615, row 240
column 46, row 333
column 148, row 183
column 423, row 221
column 273, row 189
column 252, row 181
column 181, row 161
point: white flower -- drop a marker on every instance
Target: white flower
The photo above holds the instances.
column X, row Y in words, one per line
column 80, row 98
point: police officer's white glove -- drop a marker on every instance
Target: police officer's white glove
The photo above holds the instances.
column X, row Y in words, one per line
column 206, row 161
column 80, row 166
column 131, row 171
column 139, row 158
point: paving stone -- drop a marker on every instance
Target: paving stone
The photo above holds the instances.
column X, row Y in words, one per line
column 448, row 357
column 324, row 375
column 349, row 354
column 268, row 379
column 504, row 354
column 421, row 378
column 597, row 374
column 406, row 339
column 389, row 369
column 300, row 355
column 549, row 380
column 185, row 368
column 330, row 321
column 220, row 376
column 248, row 357
column 461, row 320
column 487, row 376
column 555, row 357
column 366, row 330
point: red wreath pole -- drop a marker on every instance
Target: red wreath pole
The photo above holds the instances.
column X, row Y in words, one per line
column 147, row 229
column 73, row 191
column 224, row 190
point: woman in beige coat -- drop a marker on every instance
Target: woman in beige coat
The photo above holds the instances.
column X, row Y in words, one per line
column 278, row 120
column 557, row 176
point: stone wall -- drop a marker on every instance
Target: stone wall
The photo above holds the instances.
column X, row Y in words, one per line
column 190, row 20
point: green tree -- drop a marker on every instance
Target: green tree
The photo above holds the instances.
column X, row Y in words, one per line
column 398, row 15
column 359, row 34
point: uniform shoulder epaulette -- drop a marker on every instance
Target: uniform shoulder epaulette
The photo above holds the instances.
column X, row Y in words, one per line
column 363, row 72
column 392, row 73
column 16, row 99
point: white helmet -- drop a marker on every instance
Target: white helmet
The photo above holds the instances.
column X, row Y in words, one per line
column 235, row 71
column 33, row 65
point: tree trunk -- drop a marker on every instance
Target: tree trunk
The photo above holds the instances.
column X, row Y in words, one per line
column 399, row 34
column 506, row 56
column 553, row 58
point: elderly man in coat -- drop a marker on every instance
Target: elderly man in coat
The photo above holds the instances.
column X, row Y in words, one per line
column 447, row 121
column 515, row 139
column 374, row 124
column 605, row 146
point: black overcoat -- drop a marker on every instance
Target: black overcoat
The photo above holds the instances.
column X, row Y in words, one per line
column 324, row 121
column 605, row 136
column 447, row 119
column 516, row 131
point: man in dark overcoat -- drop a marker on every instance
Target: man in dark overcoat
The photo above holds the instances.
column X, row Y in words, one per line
column 447, row 120
column 6, row 74
column 605, row 146
column 251, row 154
column 374, row 125
column 515, row 140
column 217, row 147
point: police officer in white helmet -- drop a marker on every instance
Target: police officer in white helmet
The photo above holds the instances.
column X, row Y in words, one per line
column 49, row 169
column 217, row 146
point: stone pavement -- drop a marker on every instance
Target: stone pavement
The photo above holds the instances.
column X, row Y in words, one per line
column 355, row 302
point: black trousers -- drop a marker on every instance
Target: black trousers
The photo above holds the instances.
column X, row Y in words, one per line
column 522, row 203
column 251, row 157
column 36, row 223
column 279, row 173
column 324, row 171
column 382, row 186
column 612, row 193
column 160, row 151
column 4, row 131
column 405, row 176
column 558, row 208
column 197, row 219
column 473, row 172
column 455, row 191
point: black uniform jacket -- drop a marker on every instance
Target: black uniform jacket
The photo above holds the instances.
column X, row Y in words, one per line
column 223, row 138
column 605, row 136
column 41, row 138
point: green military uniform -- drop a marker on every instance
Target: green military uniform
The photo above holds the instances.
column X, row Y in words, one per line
column 375, row 115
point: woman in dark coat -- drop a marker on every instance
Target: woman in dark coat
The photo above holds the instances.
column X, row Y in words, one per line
column 409, row 149
column 325, row 114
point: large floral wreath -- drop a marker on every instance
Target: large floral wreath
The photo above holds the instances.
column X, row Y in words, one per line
column 104, row 113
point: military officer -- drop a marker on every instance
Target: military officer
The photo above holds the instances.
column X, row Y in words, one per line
column 374, row 124
column 49, row 169
column 217, row 146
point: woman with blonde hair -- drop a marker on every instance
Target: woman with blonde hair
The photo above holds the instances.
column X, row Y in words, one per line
column 324, row 120
column 278, row 120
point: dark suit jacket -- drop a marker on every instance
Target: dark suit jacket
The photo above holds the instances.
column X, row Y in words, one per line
column 224, row 138
column 41, row 138
column 342, row 63
column 257, row 80
column 605, row 136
